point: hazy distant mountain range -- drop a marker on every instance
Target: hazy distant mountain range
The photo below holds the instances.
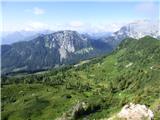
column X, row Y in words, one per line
column 136, row 29
column 12, row 37
column 51, row 49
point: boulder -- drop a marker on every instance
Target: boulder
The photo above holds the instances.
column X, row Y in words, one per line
column 135, row 112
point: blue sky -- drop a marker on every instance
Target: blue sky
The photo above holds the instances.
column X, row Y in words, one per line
column 83, row 16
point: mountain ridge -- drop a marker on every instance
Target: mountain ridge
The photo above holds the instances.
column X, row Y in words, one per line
column 47, row 51
column 67, row 47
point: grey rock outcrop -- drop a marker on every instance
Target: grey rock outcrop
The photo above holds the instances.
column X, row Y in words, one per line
column 136, row 112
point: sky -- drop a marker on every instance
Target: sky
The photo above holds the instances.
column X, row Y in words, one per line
column 81, row 16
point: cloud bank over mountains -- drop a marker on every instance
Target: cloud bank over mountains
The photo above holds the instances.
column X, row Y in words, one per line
column 80, row 16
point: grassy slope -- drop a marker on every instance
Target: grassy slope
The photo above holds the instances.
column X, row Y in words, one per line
column 129, row 74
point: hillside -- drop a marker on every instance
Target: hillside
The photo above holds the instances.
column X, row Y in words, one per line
column 131, row 73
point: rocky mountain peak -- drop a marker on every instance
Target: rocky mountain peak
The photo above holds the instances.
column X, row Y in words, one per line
column 140, row 29
column 68, row 42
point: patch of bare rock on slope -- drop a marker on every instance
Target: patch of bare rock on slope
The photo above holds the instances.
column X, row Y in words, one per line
column 133, row 112
column 128, row 112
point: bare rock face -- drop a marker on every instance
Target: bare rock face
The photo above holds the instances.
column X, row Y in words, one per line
column 135, row 112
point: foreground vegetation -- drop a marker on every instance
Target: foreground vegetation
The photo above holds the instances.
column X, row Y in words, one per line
column 130, row 74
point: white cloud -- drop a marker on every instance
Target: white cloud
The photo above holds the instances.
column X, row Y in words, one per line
column 38, row 11
column 87, row 27
column 79, row 26
column 112, row 27
column 72, row 25
column 35, row 25
column 76, row 24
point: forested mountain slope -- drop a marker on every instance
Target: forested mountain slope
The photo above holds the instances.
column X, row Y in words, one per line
column 49, row 51
column 129, row 74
